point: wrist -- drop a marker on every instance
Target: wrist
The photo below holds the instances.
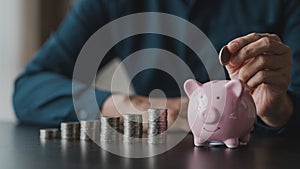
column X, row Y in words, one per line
column 280, row 113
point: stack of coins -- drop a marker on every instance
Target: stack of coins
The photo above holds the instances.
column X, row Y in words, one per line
column 157, row 125
column 89, row 130
column 109, row 127
column 132, row 127
column 70, row 130
column 52, row 133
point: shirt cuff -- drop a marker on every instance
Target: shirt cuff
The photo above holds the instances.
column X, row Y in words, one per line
column 262, row 127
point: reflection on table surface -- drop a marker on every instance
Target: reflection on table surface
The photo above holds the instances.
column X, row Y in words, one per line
column 21, row 147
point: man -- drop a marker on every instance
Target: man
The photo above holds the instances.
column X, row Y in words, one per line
column 267, row 62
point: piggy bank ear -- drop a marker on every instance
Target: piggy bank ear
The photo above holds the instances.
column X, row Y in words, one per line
column 235, row 87
column 190, row 86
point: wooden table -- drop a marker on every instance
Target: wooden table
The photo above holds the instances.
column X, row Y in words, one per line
column 21, row 148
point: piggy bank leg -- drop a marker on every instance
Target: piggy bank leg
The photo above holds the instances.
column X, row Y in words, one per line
column 245, row 139
column 198, row 143
column 232, row 142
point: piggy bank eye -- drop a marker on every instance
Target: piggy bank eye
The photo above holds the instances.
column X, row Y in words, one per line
column 218, row 97
column 202, row 102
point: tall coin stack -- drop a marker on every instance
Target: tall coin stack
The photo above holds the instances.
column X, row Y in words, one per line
column 70, row 130
column 109, row 127
column 157, row 125
column 132, row 127
column 89, row 130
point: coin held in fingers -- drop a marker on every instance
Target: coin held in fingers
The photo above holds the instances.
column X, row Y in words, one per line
column 224, row 56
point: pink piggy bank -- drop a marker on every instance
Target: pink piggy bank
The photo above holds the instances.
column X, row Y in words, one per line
column 221, row 111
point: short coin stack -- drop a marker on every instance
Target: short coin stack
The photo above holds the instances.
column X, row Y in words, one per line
column 70, row 130
column 51, row 133
column 133, row 127
column 157, row 125
column 109, row 127
column 89, row 129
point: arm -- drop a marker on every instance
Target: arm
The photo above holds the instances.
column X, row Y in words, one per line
column 43, row 92
column 263, row 62
column 269, row 64
column 291, row 36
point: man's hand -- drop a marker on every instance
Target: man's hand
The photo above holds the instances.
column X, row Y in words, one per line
column 264, row 63
column 118, row 104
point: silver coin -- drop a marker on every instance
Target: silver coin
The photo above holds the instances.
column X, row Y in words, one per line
column 133, row 118
column 132, row 127
column 51, row 133
column 91, row 124
column 158, row 139
column 70, row 130
column 224, row 55
column 109, row 127
column 89, row 134
column 157, row 125
column 133, row 134
column 70, row 124
column 109, row 138
column 157, row 111
column 127, row 139
column 109, row 119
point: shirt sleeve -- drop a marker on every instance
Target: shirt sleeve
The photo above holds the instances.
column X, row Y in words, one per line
column 291, row 37
column 43, row 92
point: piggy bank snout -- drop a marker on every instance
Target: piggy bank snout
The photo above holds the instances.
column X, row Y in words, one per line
column 212, row 117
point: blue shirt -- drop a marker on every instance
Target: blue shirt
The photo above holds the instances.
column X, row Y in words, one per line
column 43, row 92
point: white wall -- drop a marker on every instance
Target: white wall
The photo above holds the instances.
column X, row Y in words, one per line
column 18, row 41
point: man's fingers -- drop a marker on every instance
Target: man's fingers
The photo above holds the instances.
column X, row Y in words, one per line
column 272, row 36
column 259, row 63
column 268, row 77
column 264, row 45
column 238, row 43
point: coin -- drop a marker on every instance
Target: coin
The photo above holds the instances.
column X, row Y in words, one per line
column 89, row 129
column 132, row 127
column 109, row 127
column 157, row 125
column 70, row 130
column 224, row 55
column 51, row 133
